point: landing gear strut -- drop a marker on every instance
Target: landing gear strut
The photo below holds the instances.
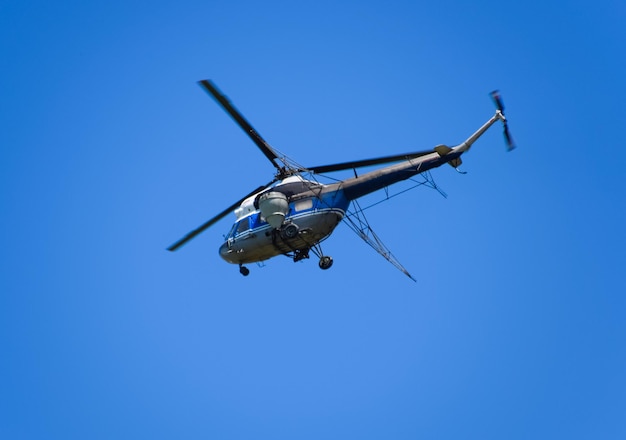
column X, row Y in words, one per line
column 300, row 254
column 243, row 270
column 325, row 260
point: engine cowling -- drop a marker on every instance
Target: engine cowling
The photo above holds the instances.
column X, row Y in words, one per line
column 274, row 207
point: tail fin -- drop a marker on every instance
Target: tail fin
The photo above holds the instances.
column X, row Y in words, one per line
column 442, row 150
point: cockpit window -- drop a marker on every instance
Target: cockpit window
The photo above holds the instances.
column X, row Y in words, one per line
column 243, row 226
column 231, row 233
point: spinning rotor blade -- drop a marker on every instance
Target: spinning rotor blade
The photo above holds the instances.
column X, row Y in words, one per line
column 215, row 219
column 367, row 162
column 497, row 99
column 507, row 137
column 241, row 121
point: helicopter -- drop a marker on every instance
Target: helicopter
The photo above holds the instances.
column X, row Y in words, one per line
column 294, row 213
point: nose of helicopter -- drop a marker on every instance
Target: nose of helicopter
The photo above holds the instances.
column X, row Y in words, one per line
column 226, row 253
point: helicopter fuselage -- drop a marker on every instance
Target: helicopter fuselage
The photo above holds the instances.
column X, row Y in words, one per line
column 313, row 213
column 314, row 210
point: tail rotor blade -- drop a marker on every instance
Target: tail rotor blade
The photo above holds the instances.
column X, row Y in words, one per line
column 507, row 136
column 497, row 99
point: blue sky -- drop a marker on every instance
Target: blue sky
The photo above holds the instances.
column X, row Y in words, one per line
column 110, row 152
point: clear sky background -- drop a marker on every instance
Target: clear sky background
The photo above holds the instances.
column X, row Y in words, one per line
column 516, row 327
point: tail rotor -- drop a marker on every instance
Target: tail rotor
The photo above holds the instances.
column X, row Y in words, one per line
column 497, row 99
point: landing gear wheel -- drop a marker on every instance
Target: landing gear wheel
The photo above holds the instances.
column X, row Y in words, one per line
column 326, row 262
column 243, row 270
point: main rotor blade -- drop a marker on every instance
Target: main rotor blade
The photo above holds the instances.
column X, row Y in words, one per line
column 241, row 121
column 215, row 219
column 367, row 162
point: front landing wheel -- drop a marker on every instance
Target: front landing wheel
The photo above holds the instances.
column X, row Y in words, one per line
column 326, row 262
column 243, row 270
